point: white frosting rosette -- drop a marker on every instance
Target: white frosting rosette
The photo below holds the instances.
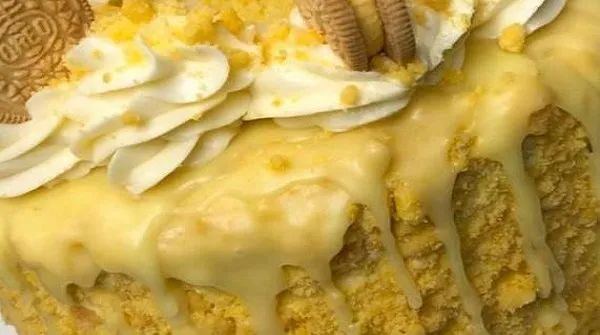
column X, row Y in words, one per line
column 140, row 114
column 143, row 115
column 307, row 93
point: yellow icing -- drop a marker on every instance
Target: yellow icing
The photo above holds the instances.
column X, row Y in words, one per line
column 282, row 197
column 512, row 38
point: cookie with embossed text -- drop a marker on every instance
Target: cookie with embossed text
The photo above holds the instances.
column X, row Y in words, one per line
column 34, row 35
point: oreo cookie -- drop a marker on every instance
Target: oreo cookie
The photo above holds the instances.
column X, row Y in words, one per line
column 34, row 36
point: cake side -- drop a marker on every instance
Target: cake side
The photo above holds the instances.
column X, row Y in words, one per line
column 118, row 303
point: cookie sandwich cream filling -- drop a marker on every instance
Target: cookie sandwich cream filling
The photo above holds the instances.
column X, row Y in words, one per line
column 275, row 193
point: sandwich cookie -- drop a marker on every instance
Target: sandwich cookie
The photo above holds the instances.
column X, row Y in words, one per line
column 359, row 29
column 34, row 35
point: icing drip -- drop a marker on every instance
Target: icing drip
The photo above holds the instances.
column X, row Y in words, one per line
column 338, row 303
column 297, row 166
column 504, row 146
column 567, row 58
column 570, row 43
column 431, row 175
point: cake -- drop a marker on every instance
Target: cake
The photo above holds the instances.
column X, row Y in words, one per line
column 270, row 167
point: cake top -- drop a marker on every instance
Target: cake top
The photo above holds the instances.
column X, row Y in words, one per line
column 157, row 85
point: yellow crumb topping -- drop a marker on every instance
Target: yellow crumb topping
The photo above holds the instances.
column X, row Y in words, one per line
column 138, row 11
column 416, row 69
column 229, row 19
column 161, row 36
column 133, row 55
column 268, row 40
column 513, row 38
column 307, row 38
column 279, row 31
column 199, row 27
column 255, row 11
column 401, row 75
column 118, row 28
column 239, row 59
column 75, row 73
column 350, row 95
column 441, row 6
column 170, row 7
column 405, row 75
column 111, row 23
column 131, row 119
column 279, row 163
column 382, row 64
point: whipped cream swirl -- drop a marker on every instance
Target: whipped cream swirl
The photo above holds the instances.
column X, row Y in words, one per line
column 139, row 113
column 493, row 16
column 306, row 92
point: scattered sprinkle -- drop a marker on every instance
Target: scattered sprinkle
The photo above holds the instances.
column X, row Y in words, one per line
column 239, row 59
column 199, row 27
column 133, row 54
column 350, row 95
column 110, row 23
column 404, row 75
column 138, row 11
column 512, row 38
column 308, row 38
column 131, row 119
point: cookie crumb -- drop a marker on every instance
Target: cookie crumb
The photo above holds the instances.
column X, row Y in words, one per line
column 512, row 38
column 350, row 95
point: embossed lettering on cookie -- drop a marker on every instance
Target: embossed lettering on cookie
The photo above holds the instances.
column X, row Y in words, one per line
column 34, row 35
